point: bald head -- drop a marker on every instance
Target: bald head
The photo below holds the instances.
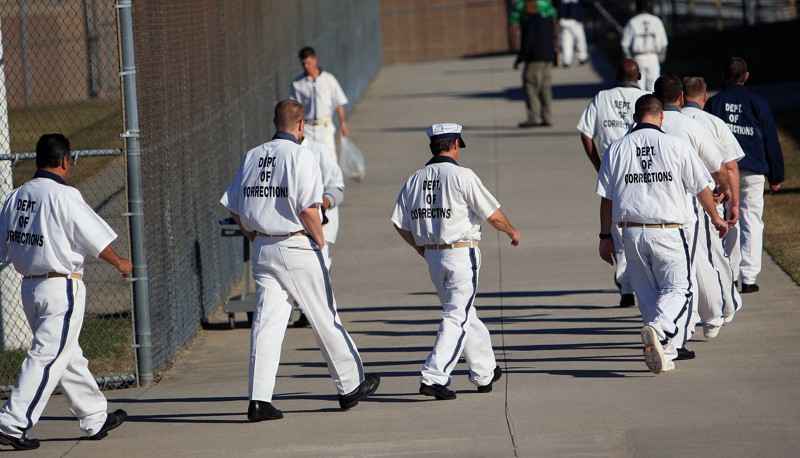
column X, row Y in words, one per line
column 628, row 71
column 649, row 110
column 288, row 114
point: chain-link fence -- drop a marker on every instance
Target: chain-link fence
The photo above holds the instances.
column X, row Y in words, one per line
column 59, row 69
column 209, row 73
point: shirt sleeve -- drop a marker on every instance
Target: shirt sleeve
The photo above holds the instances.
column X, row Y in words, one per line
column 708, row 149
column 695, row 175
column 604, row 181
column 231, row 197
column 309, row 184
column 480, row 201
column 293, row 92
column 661, row 37
column 730, row 145
column 338, row 96
column 588, row 120
column 400, row 217
column 90, row 233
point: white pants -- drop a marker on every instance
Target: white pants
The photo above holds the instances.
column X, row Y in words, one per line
column 650, row 67
column 751, row 237
column 622, row 281
column 455, row 275
column 55, row 308
column 659, row 266
column 573, row 38
column 718, row 297
column 287, row 268
column 323, row 132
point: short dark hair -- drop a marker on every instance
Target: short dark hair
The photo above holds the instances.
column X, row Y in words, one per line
column 694, row 86
column 442, row 144
column 287, row 113
column 736, row 71
column 628, row 70
column 647, row 104
column 307, row 51
column 642, row 6
column 51, row 150
column 668, row 88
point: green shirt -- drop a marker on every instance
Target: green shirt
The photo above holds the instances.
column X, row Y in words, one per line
column 517, row 10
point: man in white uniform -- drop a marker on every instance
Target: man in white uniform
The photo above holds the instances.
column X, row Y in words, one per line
column 48, row 230
column 321, row 95
column 332, row 197
column 275, row 198
column 643, row 181
column 438, row 213
column 707, row 306
column 696, row 95
column 645, row 40
column 608, row 118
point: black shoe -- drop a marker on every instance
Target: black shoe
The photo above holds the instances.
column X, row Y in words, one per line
column 19, row 444
column 684, row 354
column 439, row 392
column 301, row 322
column 262, row 411
column 546, row 124
column 746, row 289
column 583, row 62
column 113, row 421
column 488, row 388
column 367, row 387
column 627, row 300
column 528, row 124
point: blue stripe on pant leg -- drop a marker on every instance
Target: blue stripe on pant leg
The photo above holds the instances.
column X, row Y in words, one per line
column 46, row 376
column 329, row 292
column 456, row 351
column 711, row 260
column 689, row 294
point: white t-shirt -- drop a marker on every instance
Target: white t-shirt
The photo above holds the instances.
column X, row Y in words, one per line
column 644, row 34
column 647, row 176
column 682, row 126
column 275, row 183
column 729, row 145
column 320, row 97
column 48, row 227
column 332, row 183
column 609, row 115
column 443, row 203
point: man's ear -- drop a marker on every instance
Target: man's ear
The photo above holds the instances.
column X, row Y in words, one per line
column 746, row 77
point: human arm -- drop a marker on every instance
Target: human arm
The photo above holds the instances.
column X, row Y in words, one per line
column 627, row 40
column 343, row 128
column 500, row 221
column 706, row 199
column 312, row 222
column 409, row 239
column 591, row 151
column 246, row 232
column 733, row 204
column 122, row 265
column 772, row 146
column 606, row 244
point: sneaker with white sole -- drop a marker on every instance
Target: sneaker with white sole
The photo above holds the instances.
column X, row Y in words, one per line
column 711, row 331
column 654, row 355
column 727, row 319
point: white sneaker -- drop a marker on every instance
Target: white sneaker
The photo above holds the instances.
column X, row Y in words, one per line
column 711, row 331
column 654, row 355
column 728, row 318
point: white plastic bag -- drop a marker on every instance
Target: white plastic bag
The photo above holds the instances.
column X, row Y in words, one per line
column 352, row 160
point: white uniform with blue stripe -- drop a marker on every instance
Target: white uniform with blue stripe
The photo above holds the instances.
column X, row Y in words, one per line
column 276, row 182
column 647, row 176
column 48, row 228
column 441, row 204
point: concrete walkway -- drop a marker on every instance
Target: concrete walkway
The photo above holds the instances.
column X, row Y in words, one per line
column 576, row 383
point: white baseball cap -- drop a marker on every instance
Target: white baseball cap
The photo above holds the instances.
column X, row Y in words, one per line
column 446, row 130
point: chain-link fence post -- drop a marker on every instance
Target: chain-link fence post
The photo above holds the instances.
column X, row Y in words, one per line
column 13, row 336
column 141, row 293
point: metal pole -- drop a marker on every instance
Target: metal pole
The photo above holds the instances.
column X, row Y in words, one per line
column 141, row 293
column 23, row 42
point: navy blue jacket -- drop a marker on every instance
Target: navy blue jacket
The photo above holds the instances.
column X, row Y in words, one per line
column 538, row 39
column 751, row 121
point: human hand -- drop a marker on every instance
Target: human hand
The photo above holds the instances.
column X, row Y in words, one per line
column 733, row 215
column 344, row 129
column 516, row 65
column 515, row 236
column 720, row 225
column 606, row 250
column 775, row 187
column 124, row 267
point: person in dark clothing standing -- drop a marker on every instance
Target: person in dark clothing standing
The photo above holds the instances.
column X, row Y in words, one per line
column 749, row 118
column 538, row 52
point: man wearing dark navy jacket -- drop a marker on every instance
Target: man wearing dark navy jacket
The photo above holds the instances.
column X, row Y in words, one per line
column 749, row 118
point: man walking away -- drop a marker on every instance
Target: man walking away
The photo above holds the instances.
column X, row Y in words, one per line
column 750, row 119
column 645, row 40
column 573, row 37
column 538, row 52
